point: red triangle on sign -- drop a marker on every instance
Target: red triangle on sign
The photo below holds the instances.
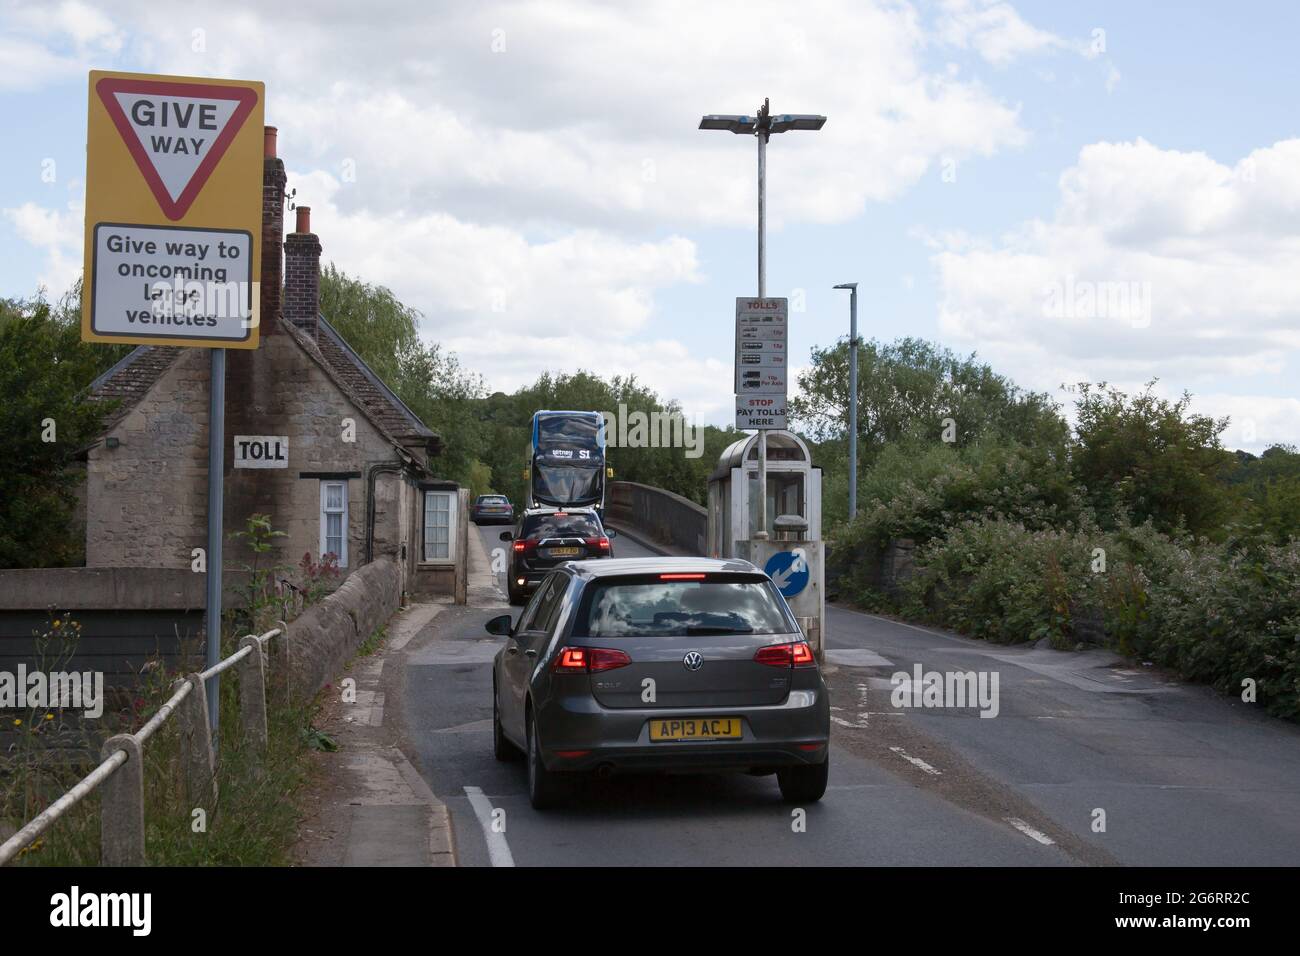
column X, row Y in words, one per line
column 176, row 132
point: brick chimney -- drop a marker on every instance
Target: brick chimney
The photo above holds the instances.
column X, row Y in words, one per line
column 273, row 180
column 302, row 274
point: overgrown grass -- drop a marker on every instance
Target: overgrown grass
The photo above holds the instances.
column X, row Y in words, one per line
column 254, row 821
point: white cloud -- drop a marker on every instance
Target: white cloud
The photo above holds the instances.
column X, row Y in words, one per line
column 1257, row 422
column 571, row 112
column 511, row 306
column 1156, row 261
column 994, row 30
column 53, row 42
column 59, row 234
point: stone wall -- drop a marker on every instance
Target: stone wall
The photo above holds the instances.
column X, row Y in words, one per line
column 884, row 571
column 662, row 516
column 146, row 500
column 322, row 640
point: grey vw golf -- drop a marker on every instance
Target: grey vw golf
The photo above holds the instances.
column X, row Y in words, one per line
column 677, row 664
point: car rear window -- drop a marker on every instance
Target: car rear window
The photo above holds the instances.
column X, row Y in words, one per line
column 492, row 500
column 568, row 526
column 719, row 604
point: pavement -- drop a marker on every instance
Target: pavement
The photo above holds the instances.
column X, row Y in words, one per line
column 1086, row 759
column 369, row 806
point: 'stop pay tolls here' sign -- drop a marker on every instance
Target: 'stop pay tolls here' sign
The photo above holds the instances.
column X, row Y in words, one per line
column 173, row 210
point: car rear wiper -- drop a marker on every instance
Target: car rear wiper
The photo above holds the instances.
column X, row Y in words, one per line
column 694, row 629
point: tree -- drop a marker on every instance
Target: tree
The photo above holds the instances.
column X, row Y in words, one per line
column 1269, row 487
column 912, row 396
column 913, row 390
column 1151, row 458
column 371, row 319
column 432, row 383
column 45, row 421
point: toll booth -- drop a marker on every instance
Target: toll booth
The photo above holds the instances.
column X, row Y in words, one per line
column 794, row 487
column 792, row 552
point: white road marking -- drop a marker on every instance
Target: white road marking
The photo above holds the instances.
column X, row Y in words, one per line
column 473, row 727
column 916, row 761
column 844, row 723
column 856, row 657
column 1030, row 832
column 498, row 848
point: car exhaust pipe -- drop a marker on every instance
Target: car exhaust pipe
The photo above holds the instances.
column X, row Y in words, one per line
column 605, row 771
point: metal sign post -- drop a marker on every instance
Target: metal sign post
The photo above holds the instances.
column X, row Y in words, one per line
column 853, row 395
column 216, row 507
column 761, row 533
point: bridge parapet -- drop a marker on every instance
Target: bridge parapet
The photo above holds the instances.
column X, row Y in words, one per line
column 660, row 516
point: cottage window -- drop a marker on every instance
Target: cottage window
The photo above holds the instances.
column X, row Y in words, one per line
column 439, row 525
column 334, row 520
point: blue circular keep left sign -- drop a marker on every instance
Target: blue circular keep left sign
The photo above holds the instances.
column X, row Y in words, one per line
column 788, row 571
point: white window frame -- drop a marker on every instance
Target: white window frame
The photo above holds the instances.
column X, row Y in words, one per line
column 453, row 501
column 325, row 511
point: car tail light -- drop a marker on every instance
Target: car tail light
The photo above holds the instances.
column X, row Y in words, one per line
column 796, row 654
column 528, row 545
column 519, row 546
column 570, row 660
column 600, row 543
column 606, row 659
column 588, row 660
column 681, row 577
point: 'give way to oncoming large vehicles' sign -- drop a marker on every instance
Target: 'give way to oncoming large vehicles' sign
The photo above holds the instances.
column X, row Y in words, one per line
column 173, row 210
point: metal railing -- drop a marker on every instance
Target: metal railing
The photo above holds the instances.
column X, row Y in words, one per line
column 121, row 769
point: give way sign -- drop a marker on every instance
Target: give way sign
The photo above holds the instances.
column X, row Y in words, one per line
column 177, row 133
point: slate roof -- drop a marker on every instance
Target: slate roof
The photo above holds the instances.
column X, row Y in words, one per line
column 390, row 409
column 131, row 378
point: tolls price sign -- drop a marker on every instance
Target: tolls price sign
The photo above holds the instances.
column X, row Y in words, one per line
column 761, row 344
column 173, row 210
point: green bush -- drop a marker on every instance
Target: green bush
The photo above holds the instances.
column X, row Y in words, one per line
column 998, row 580
column 1225, row 616
column 1210, row 612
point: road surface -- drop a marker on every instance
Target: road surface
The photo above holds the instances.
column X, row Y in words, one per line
column 1089, row 760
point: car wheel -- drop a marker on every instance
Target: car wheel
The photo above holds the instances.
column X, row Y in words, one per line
column 543, row 785
column 515, row 597
column 806, row 784
column 502, row 748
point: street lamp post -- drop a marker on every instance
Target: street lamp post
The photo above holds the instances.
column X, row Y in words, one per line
column 762, row 126
column 853, row 395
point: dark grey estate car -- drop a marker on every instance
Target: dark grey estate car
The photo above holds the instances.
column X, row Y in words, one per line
column 547, row 537
column 678, row 664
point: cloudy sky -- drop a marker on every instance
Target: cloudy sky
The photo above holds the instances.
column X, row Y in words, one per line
column 1103, row 191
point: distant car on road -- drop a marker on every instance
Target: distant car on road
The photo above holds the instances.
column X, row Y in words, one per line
column 546, row 537
column 670, row 664
column 492, row 509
